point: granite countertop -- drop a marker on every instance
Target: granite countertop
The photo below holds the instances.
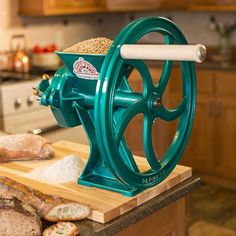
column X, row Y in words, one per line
column 91, row 228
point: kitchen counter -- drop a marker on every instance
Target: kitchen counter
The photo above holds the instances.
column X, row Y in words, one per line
column 166, row 211
column 88, row 227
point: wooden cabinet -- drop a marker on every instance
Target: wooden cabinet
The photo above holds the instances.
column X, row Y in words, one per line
column 214, row 5
column 169, row 221
column 60, row 7
column 173, row 4
column 211, row 149
column 130, row 5
column 225, row 125
column 137, row 5
column 68, row 7
column 198, row 152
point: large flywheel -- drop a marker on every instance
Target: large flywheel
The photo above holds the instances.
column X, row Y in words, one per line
column 113, row 114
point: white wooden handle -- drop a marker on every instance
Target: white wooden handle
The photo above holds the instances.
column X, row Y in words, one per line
column 195, row 53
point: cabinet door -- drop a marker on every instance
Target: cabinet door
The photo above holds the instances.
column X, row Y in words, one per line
column 65, row 4
column 225, row 125
column 203, row 2
column 60, row 7
column 71, row 6
column 225, row 138
column 198, row 153
column 172, row 4
column 214, row 5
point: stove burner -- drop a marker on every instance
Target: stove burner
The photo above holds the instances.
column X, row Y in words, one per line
column 7, row 76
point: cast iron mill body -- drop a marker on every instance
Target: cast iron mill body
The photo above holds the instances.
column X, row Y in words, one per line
column 93, row 90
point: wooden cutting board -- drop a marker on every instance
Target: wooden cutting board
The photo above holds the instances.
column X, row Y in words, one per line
column 105, row 205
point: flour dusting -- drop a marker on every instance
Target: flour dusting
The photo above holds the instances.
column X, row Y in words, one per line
column 62, row 171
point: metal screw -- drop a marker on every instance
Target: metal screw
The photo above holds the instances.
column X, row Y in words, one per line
column 36, row 91
column 30, row 100
column 158, row 103
column 202, row 53
column 18, row 102
column 46, row 77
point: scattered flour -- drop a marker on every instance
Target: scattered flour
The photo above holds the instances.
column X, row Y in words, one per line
column 62, row 171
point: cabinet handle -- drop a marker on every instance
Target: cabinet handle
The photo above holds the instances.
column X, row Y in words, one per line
column 218, row 109
column 210, row 109
column 44, row 129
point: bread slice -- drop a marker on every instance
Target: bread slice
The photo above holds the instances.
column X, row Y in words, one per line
column 24, row 147
column 62, row 229
column 49, row 207
column 18, row 218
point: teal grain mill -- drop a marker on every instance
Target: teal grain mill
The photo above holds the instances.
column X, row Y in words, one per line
column 93, row 90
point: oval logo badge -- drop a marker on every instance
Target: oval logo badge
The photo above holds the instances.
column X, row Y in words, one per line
column 85, row 70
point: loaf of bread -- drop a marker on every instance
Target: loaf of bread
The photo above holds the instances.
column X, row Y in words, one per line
column 62, row 229
column 18, row 218
column 49, row 207
column 24, row 147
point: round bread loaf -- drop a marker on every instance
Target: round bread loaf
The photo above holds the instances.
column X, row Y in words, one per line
column 18, row 218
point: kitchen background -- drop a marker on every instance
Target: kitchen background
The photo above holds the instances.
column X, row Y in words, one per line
column 211, row 151
column 67, row 30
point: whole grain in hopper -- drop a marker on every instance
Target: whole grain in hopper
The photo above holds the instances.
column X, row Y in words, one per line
column 98, row 45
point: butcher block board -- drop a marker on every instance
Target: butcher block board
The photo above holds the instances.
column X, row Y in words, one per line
column 106, row 205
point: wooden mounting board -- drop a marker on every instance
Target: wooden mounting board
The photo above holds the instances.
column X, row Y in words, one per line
column 105, row 205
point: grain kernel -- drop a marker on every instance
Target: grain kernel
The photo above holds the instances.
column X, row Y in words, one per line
column 98, row 45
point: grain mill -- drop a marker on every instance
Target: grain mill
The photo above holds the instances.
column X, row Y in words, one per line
column 93, row 90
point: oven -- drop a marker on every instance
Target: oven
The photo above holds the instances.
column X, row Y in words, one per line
column 20, row 112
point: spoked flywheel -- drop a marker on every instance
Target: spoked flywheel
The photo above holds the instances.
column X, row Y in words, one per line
column 116, row 105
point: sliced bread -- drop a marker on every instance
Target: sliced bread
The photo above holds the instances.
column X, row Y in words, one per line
column 62, row 229
column 49, row 207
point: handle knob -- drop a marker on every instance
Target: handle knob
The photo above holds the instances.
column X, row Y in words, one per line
column 30, row 100
column 36, row 91
column 46, row 77
column 18, row 102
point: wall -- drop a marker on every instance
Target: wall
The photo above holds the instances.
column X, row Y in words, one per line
column 44, row 30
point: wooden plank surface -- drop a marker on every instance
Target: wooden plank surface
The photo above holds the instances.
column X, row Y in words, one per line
column 105, row 205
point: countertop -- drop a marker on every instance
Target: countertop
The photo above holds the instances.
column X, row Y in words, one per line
column 91, row 228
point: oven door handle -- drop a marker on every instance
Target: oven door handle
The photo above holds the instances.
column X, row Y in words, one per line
column 44, row 130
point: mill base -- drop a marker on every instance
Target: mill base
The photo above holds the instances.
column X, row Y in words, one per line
column 109, row 184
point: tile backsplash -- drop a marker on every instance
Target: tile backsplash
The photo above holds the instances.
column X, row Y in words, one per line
column 67, row 30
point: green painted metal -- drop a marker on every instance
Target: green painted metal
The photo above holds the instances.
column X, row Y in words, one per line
column 93, row 90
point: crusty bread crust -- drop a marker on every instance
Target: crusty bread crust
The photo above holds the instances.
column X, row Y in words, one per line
column 24, row 147
column 62, row 228
column 22, row 215
column 46, row 205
